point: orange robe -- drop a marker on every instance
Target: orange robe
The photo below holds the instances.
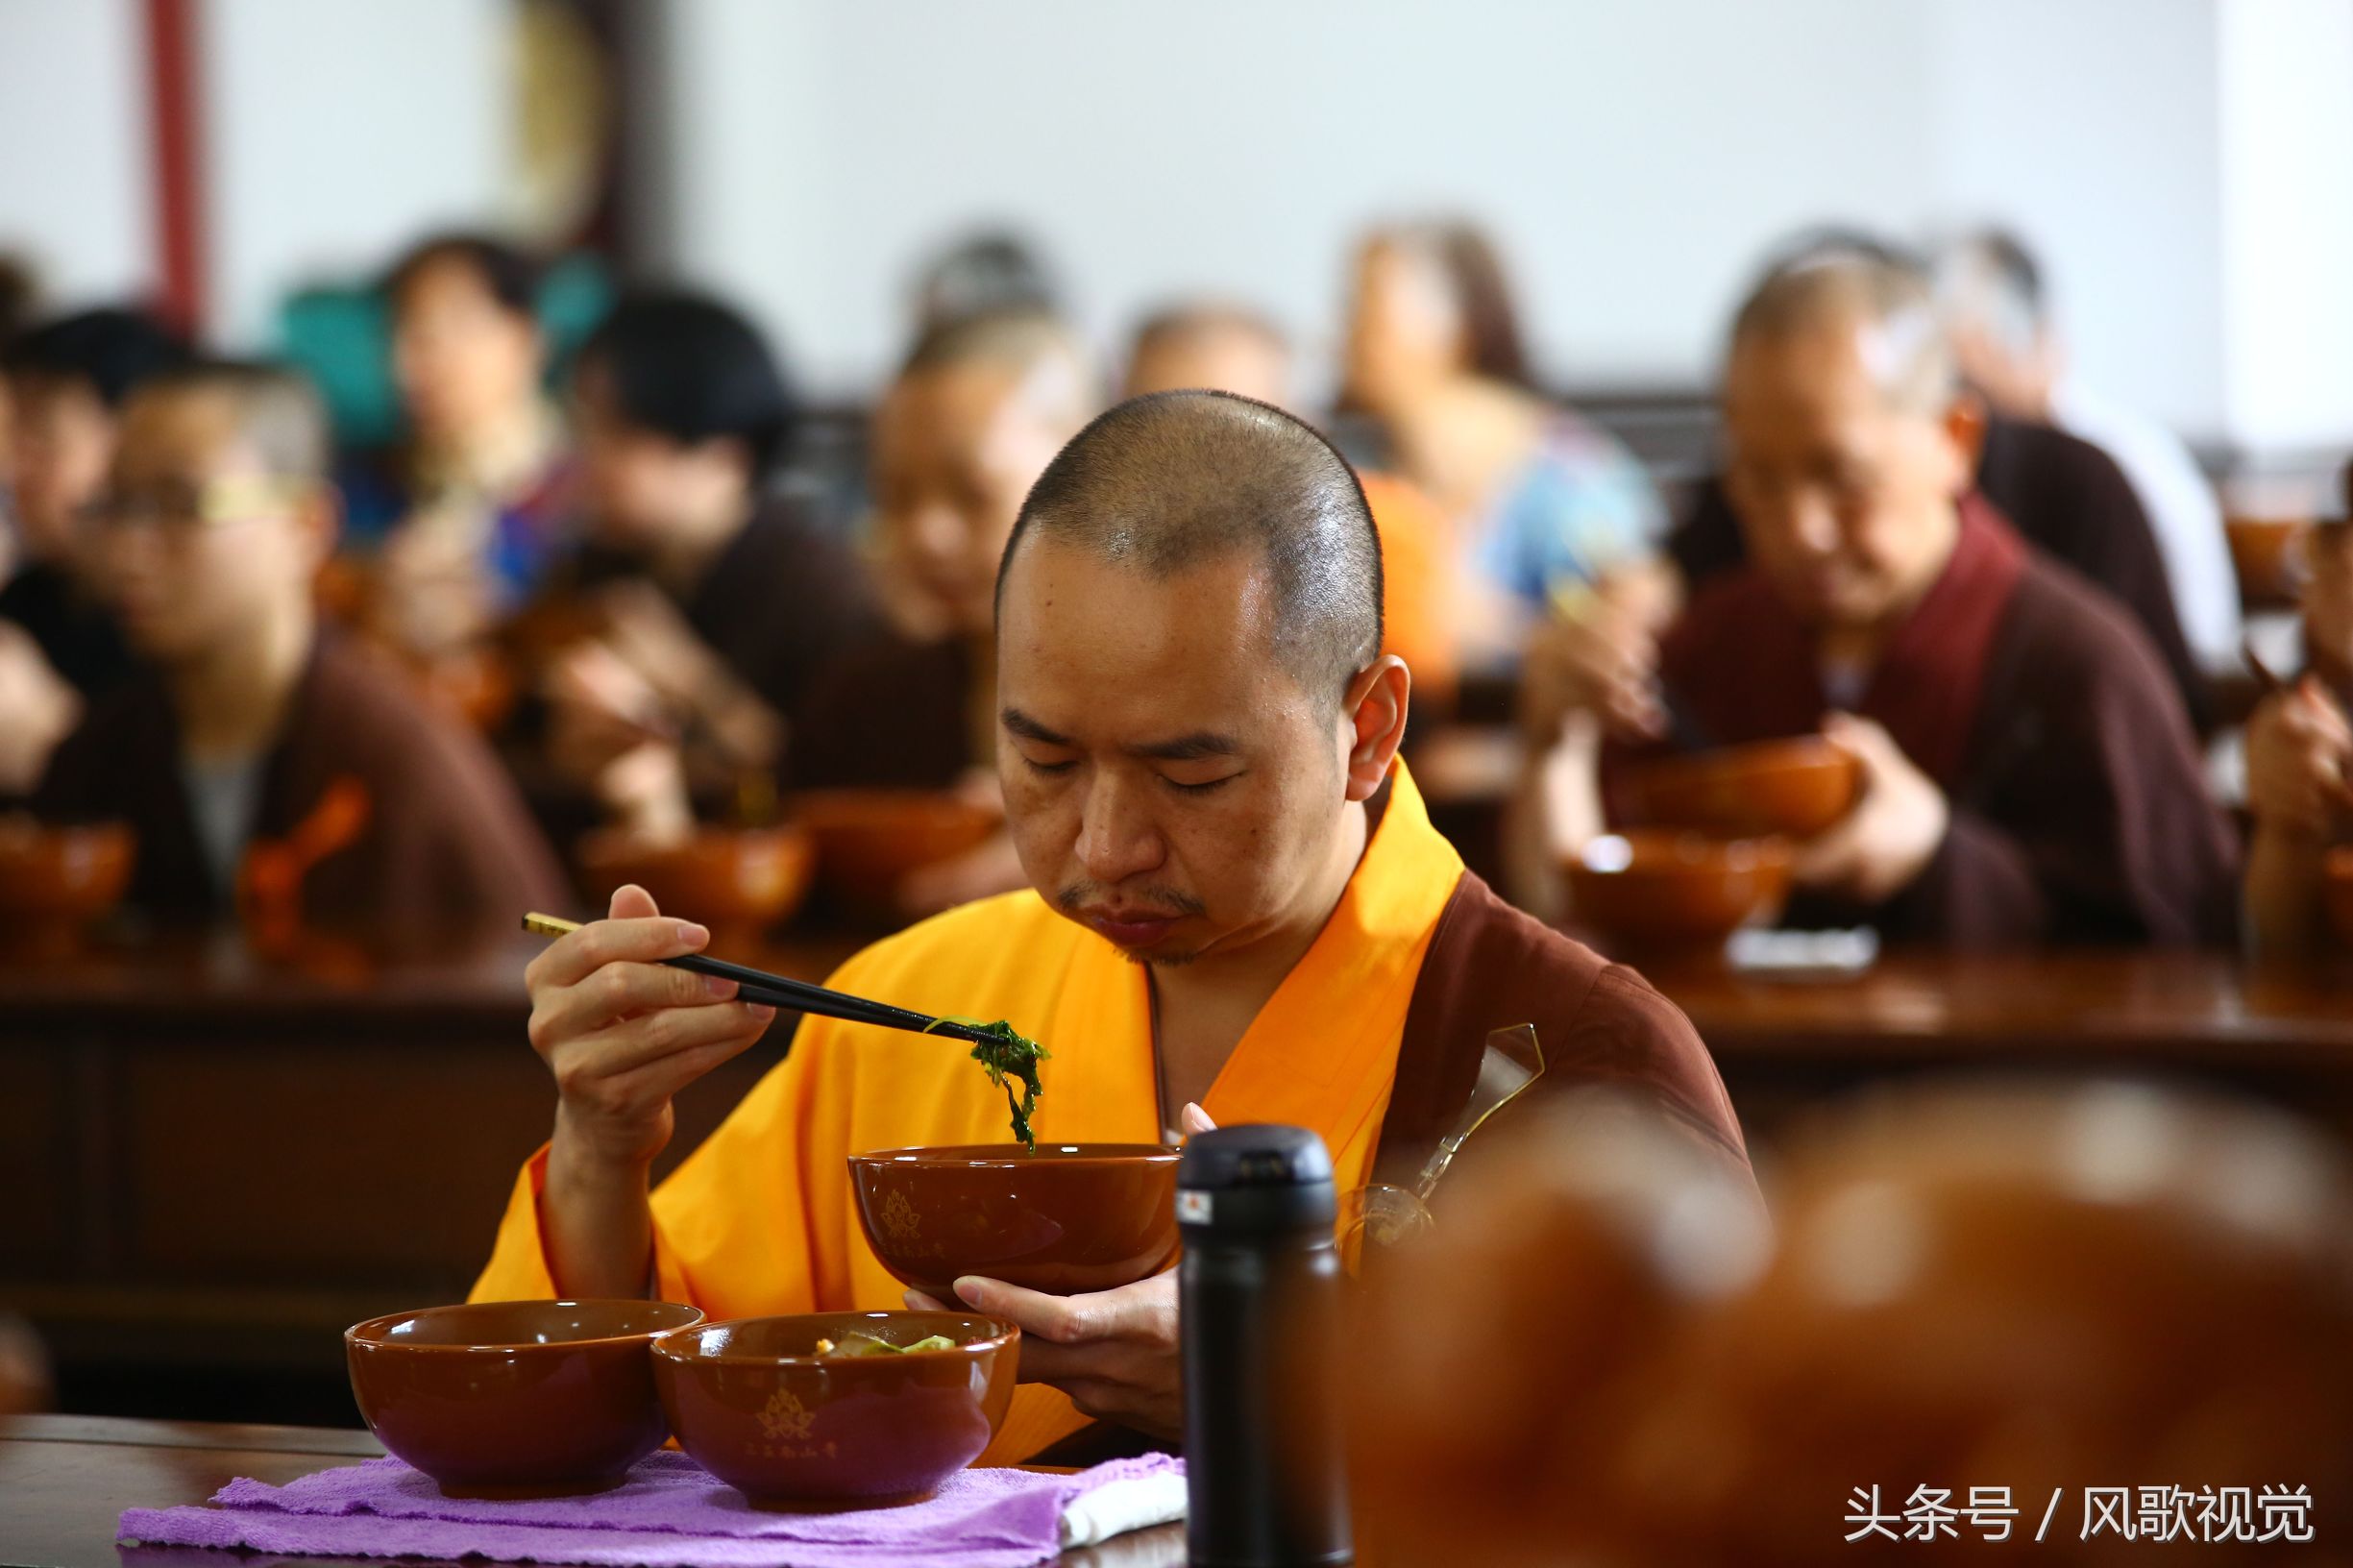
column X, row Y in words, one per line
column 760, row 1219
column 1418, row 586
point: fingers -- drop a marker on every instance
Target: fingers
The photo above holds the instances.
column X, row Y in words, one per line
column 1192, row 1121
column 631, row 902
column 918, row 1302
column 624, row 1047
column 618, row 991
column 574, row 957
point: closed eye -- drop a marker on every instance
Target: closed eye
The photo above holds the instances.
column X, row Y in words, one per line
column 1048, row 768
column 1203, row 787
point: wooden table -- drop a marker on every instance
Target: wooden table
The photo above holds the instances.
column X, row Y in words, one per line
column 65, row 1480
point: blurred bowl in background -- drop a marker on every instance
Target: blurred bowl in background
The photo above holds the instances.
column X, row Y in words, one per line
column 868, row 840
column 514, row 1398
column 753, row 1403
column 2268, row 556
column 1795, row 788
column 739, row 881
column 1659, row 888
column 58, row 880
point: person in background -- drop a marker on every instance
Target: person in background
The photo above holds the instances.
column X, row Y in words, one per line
column 1227, row 347
column 1543, row 501
column 2299, row 750
column 974, row 416
column 469, row 512
column 2027, row 775
column 59, row 648
column 20, row 297
column 1998, row 314
column 719, row 601
column 2066, row 496
column 986, row 273
column 256, row 741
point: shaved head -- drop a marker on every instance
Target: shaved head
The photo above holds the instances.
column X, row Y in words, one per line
column 1175, row 480
column 1036, row 348
column 1887, row 304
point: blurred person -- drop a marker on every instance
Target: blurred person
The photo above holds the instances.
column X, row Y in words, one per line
column 974, row 416
column 2063, row 494
column 467, row 514
column 254, row 730
column 1543, row 501
column 1234, row 909
column 1984, row 1301
column 986, row 273
column 1997, row 313
column 2027, row 775
column 721, row 602
column 68, row 381
column 19, row 294
column 1227, row 348
column 2299, row 749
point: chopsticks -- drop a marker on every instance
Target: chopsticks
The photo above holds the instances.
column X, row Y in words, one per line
column 796, row 995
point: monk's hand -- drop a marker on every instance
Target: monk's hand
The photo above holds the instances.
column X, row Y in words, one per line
column 1897, row 823
column 2298, row 746
column 1115, row 1353
column 622, row 1032
column 1596, row 654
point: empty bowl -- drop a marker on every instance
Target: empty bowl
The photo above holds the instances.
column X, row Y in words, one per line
column 2268, row 553
column 868, row 840
column 1072, row 1217
column 514, row 1398
column 1795, row 788
column 1663, row 889
column 746, row 880
column 753, row 1403
column 65, row 877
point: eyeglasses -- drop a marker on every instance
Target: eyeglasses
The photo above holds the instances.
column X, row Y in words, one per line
column 180, row 511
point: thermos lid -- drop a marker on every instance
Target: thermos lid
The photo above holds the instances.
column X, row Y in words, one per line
column 1255, row 1177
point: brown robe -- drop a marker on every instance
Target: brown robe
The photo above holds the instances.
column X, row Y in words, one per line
column 446, row 842
column 2079, row 808
column 2064, row 495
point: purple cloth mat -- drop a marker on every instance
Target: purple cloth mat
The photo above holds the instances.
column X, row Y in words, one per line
column 670, row 1514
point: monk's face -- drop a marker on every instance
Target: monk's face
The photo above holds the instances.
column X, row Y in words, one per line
column 61, row 437
column 955, row 453
column 1218, row 357
column 1846, row 497
column 1404, row 330
column 201, row 544
column 463, row 360
column 640, row 486
column 1167, row 782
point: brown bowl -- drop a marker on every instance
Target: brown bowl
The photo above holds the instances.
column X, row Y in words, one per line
column 514, row 1398
column 1658, row 888
column 745, row 880
column 62, row 875
column 868, row 840
column 1795, row 788
column 754, row 1404
column 2268, row 556
column 1072, row 1217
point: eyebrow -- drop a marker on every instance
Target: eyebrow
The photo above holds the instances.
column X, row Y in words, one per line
column 1201, row 744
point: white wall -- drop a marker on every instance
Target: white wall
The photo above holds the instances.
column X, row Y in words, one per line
column 338, row 131
column 74, row 190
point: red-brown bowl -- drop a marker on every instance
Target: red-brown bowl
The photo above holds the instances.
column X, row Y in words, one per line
column 2268, row 553
column 62, row 875
column 1072, row 1217
column 1795, row 788
column 1663, row 889
column 754, row 1404
column 514, row 1398
column 868, row 840
column 750, row 879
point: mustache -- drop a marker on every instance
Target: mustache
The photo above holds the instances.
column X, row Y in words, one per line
column 1160, row 900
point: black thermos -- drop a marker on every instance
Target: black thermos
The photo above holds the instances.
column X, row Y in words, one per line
column 1259, row 1289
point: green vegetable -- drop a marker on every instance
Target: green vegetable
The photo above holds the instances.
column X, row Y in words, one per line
column 854, row 1344
column 1008, row 1054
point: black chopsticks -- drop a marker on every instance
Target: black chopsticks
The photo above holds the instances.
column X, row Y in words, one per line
column 796, row 995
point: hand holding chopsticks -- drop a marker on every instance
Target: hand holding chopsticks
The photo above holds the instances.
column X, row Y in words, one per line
column 759, row 986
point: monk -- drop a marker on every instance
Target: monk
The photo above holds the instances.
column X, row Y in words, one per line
column 1226, row 348
column 978, row 410
column 2028, row 775
column 254, row 729
column 1236, row 910
column 2299, row 749
column 2064, row 495
column 720, row 602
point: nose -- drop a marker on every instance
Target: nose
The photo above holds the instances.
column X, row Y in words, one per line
column 1116, row 838
column 934, row 533
column 1813, row 523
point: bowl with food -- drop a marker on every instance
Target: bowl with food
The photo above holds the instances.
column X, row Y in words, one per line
column 838, row 1407
column 58, row 880
column 1794, row 788
column 1066, row 1219
column 514, row 1398
column 1661, row 889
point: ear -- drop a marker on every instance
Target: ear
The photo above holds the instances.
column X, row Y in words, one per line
column 1374, row 711
column 1965, row 419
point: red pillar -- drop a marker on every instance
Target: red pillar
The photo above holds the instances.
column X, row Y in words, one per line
column 176, row 136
